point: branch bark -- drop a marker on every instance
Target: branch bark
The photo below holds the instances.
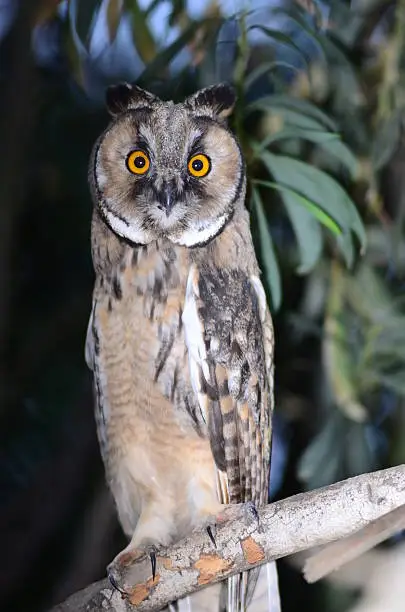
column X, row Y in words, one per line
column 285, row 527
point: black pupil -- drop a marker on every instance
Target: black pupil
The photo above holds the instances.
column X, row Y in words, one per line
column 197, row 165
column 139, row 161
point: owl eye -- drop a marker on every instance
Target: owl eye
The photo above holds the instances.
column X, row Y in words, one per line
column 199, row 165
column 138, row 162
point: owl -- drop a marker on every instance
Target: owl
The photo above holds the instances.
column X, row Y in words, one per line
column 180, row 339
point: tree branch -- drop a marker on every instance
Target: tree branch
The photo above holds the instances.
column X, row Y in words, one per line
column 285, row 527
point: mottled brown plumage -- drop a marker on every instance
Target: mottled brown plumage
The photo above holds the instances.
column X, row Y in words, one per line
column 180, row 338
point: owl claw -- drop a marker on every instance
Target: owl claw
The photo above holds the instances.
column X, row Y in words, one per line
column 251, row 512
column 211, row 535
column 115, row 584
column 152, row 556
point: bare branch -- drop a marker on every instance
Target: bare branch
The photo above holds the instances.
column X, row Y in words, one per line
column 336, row 554
column 286, row 527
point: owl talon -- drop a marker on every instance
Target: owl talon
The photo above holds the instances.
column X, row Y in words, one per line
column 251, row 512
column 152, row 556
column 115, row 584
column 211, row 535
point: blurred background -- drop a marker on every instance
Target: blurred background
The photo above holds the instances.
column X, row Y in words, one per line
column 321, row 93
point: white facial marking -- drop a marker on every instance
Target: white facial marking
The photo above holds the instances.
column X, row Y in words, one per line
column 202, row 233
column 132, row 232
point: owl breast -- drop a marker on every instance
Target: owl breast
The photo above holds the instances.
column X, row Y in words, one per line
column 147, row 415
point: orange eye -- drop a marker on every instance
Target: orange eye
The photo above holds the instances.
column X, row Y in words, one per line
column 138, row 162
column 199, row 165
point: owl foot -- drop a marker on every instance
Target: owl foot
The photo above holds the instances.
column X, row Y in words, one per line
column 119, row 569
column 246, row 511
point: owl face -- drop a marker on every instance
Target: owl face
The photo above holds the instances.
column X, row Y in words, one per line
column 165, row 170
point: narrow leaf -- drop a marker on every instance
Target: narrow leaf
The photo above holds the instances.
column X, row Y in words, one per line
column 306, row 128
column 345, row 244
column 386, row 140
column 319, row 464
column 320, row 188
column 395, row 382
column 286, row 102
column 114, row 15
column 268, row 256
column 162, row 60
column 331, row 50
column 85, row 13
column 313, row 208
column 265, row 69
column 143, row 38
column 339, row 357
column 281, row 38
column 307, row 232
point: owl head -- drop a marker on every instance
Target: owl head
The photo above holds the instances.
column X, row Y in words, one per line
column 165, row 170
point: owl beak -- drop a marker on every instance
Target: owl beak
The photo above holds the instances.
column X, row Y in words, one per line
column 169, row 203
column 167, row 199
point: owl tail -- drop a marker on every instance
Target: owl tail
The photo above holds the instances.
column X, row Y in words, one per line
column 237, row 594
column 265, row 595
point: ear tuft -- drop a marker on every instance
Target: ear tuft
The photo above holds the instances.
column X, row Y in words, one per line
column 124, row 96
column 216, row 101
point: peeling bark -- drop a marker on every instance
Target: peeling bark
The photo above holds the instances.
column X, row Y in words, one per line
column 285, row 527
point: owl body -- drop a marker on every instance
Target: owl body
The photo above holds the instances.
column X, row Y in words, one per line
column 180, row 338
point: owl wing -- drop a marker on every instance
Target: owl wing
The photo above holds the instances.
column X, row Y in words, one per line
column 229, row 338
column 93, row 363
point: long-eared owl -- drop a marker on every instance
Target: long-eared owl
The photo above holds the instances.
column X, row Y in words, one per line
column 180, row 339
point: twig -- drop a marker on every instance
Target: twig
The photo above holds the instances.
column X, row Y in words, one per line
column 285, row 527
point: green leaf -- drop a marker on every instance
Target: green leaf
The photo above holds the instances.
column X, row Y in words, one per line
column 72, row 50
column 152, row 6
column 161, row 62
column 114, row 15
column 319, row 188
column 388, row 340
column 268, row 256
column 313, row 208
column 340, row 449
column 307, row 232
column 320, row 463
column 379, row 307
column 142, row 34
column 281, row 38
column 386, row 140
column 264, row 69
column 85, row 13
column 340, row 355
column 305, row 128
column 345, row 244
column 283, row 102
column 178, row 9
column 306, row 228
column 331, row 50
column 359, row 455
column 395, row 382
